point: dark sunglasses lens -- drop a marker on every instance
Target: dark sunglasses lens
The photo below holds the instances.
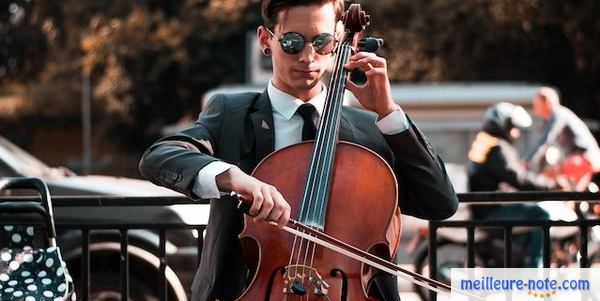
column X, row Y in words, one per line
column 292, row 42
column 323, row 43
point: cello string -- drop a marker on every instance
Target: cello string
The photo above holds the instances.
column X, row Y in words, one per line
column 295, row 274
column 297, row 264
column 292, row 256
column 398, row 272
column 302, row 274
column 316, row 167
column 324, row 150
column 308, row 243
column 324, row 147
column 315, row 190
column 310, row 195
column 307, row 207
column 312, row 259
column 335, row 120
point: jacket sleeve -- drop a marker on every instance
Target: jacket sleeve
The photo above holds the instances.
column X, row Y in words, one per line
column 424, row 187
column 174, row 161
column 504, row 163
column 551, row 131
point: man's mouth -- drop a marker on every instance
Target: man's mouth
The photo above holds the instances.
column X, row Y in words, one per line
column 307, row 72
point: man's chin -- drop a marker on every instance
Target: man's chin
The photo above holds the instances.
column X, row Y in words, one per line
column 309, row 82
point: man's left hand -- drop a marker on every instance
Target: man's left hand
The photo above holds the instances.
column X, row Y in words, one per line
column 375, row 95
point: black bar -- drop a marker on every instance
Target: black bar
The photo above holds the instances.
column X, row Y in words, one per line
column 95, row 225
column 200, row 244
column 508, row 246
column 432, row 251
column 162, row 283
column 515, row 223
column 85, row 264
column 470, row 247
column 583, row 248
column 107, row 201
column 526, row 196
column 469, row 197
column 124, row 259
column 546, row 246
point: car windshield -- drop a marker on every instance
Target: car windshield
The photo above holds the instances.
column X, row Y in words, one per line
column 20, row 161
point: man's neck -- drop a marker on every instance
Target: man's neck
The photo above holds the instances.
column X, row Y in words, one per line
column 304, row 95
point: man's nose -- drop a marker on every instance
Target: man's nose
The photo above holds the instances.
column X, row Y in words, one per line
column 308, row 53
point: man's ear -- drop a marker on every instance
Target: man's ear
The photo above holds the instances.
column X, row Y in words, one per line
column 263, row 37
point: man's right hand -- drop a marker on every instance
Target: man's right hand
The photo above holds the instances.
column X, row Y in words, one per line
column 267, row 203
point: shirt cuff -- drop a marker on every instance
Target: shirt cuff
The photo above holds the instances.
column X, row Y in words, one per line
column 394, row 123
column 205, row 185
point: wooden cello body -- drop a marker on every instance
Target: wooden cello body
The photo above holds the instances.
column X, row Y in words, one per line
column 342, row 189
column 363, row 205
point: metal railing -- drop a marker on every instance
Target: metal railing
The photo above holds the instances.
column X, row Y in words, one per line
column 162, row 228
column 583, row 222
column 122, row 228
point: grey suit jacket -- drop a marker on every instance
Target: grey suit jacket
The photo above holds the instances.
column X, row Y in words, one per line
column 231, row 129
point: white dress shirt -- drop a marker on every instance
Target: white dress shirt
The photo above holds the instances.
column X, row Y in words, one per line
column 288, row 130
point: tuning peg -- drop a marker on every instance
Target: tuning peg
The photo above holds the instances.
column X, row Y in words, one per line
column 370, row 44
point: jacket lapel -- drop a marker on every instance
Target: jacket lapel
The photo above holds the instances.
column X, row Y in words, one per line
column 262, row 122
column 346, row 132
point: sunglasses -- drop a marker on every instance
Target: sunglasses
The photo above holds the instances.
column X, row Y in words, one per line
column 293, row 42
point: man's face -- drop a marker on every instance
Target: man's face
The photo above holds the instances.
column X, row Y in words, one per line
column 541, row 106
column 299, row 74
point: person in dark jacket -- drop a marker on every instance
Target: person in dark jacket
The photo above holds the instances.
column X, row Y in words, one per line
column 494, row 164
column 236, row 131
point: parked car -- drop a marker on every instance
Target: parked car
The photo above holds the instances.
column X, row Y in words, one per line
column 104, row 244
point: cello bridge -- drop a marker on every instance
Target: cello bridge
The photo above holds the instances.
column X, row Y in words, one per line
column 298, row 278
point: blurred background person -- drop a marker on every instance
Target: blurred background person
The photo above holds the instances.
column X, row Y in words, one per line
column 494, row 164
column 579, row 154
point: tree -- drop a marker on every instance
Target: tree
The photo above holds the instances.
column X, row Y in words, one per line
column 151, row 61
column 27, row 30
column 547, row 42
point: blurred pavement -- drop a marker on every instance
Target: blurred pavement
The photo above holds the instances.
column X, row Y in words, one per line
column 409, row 227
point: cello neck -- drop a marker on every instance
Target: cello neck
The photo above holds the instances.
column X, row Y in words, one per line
column 316, row 190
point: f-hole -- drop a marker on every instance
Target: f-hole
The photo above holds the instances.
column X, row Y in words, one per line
column 271, row 279
column 344, row 291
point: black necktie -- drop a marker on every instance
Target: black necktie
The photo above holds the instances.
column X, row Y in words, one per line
column 307, row 111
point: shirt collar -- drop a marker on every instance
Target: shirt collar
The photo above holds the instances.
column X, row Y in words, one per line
column 287, row 104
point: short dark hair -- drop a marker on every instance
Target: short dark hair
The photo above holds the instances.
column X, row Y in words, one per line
column 271, row 8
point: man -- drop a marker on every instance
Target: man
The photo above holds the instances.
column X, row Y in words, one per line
column 562, row 128
column 236, row 131
column 494, row 164
column 492, row 158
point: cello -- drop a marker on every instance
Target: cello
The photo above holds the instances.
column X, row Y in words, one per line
column 326, row 193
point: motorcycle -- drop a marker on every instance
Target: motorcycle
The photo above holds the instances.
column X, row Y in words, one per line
column 451, row 246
